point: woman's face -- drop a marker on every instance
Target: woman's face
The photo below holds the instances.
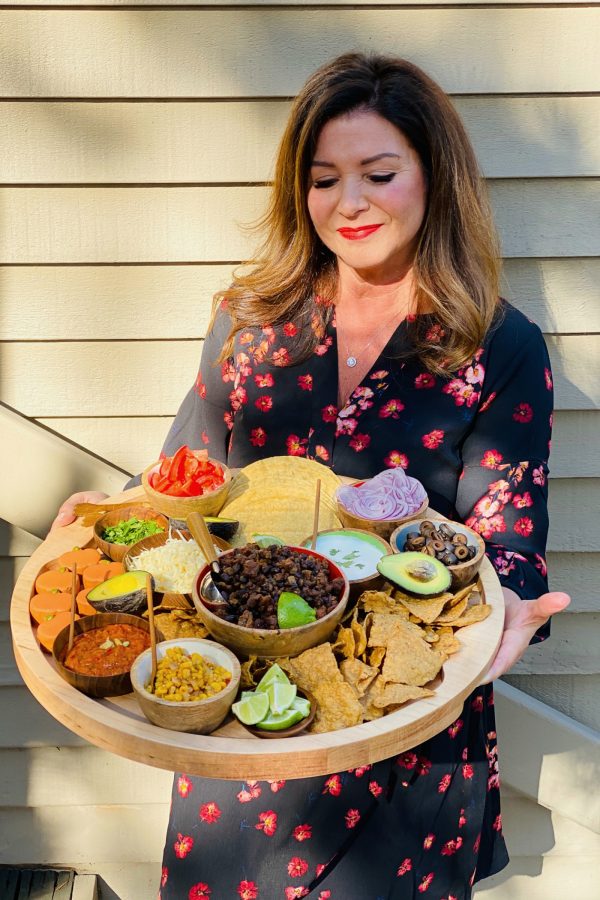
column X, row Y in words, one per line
column 367, row 195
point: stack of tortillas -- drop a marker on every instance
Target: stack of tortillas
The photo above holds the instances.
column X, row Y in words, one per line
column 276, row 496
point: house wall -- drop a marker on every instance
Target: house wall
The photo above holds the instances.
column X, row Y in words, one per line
column 134, row 142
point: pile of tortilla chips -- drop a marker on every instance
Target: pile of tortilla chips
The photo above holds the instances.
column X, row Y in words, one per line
column 275, row 496
column 390, row 651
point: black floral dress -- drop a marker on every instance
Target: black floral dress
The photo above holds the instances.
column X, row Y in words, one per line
column 426, row 822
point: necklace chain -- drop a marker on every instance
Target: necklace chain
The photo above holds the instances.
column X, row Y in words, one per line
column 352, row 358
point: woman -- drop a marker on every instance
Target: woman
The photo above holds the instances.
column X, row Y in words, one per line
column 368, row 334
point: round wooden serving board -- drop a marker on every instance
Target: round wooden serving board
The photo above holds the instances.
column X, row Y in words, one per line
column 117, row 723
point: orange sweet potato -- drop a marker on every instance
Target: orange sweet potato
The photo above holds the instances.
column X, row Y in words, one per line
column 81, row 558
column 47, row 631
column 45, row 606
column 55, row 581
column 94, row 575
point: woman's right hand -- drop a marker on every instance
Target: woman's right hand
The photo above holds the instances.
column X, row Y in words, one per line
column 66, row 513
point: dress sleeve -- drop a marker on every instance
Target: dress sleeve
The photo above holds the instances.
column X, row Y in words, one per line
column 503, row 489
column 205, row 416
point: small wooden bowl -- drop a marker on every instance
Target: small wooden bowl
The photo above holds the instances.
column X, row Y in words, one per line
column 271, row 642
column 381, row 527
column 357, row 584
column 462, row 573
column 116, row 552
column 157, row 540
column 194, row 716
column 298, row 728
column 208, row 504
column 97, row 685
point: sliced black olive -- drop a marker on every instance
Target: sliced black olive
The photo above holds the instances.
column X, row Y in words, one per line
column 446, row 530
column 449, row 559
column 459, row 538
column 461, row 552
column 438, row 546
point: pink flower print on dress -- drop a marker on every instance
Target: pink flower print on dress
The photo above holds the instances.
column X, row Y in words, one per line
column 322, row 348
column 267, row 822
column 329, row 413
column 302, row 832
column 425, row 883
column 477, row 704
column 444, row 783
column 379, row 375
column 183, row 845
column 164, row 876
column 423, row 765
column 467, row 771
column 294, row 446
column 434, row 334
column 293, row 893
column 488, row 402
column 258, row 437
column 252, row 791
column 200, row 891
column 548, row 379
column 228, row 372
column 184, row 786
column 264, row 381
column 450, row 847
column 521, row 501
column 407, row 760
column 333, row 786
column 391, row 409
column 540, row 564
column 264, row 403
column 244, row 369
column 247, row 890
column 246, row 337
column 259, row 353
column 523, row 526
column 345, row 426
column 322, row 452
column 424, row 381
column 523, row 413
column 433, row 440
column 297, row 867
column 269, row 333
column 281, row 357
column 475, row 374
column 491, row 459
column 305, row 382
column 360, row 442
column 237, row 398
column 454, row 729
column 395, row 459
column 462, row 819
column 428, row 841
column 375, row 788
column 290, row 330
column 324, row 895
column 404, row 867
column 276, row 785
column 352, row 818
column 539, row 476
column 209, row 812
column 497, row 826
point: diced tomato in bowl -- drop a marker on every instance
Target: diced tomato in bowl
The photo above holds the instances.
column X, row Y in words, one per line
column 187, row 476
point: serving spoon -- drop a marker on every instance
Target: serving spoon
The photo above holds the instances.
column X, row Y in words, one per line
column 202, row 536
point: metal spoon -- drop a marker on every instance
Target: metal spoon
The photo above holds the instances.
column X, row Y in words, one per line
column 203, row 538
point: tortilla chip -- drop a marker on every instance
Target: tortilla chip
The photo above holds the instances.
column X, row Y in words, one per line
column 448, row 644
column 431, row 636
column 313, row 668
column 410, row 660
column 376, row 656
column 358, row 674
column 337, row 707
column 383, row 627
column 453, row 612
column 360, row 636
column 427, row 609
column 377, row 601
column 471, row 615
column 390, row 693
column 345, row 643
column 460, row 595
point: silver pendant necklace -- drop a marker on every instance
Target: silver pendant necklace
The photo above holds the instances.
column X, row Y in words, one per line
column 351, row 359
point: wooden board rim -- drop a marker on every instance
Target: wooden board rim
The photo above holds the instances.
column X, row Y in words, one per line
column 115, row 724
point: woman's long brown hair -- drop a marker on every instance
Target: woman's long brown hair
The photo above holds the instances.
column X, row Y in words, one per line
column 456, row 265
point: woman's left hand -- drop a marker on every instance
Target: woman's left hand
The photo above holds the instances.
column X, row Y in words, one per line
column 522, row 618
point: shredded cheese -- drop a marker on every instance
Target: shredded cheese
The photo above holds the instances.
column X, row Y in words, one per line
column 173, row 565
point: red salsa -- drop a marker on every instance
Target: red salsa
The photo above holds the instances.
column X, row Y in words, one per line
column 107, row 651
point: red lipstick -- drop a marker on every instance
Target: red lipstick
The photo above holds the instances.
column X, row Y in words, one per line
column 357, row 234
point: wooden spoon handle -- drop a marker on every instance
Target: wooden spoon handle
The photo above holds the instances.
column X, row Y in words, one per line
column 202, row 536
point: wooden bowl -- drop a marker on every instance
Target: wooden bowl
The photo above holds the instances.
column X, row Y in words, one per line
column 358, row 583
column 271, row 643
column 157, row 540
column 382, row 527
column 100, row 685
column 208, row 504
column 116, row 552
column 298, row 728
column 194, row 716
column 462, row 573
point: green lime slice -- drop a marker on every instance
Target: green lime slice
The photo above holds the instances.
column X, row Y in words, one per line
column 281, row 697
column 267, row 540
column 301, row 704
column 280, row 721
column 275, row 673
column 251, row 709
column 293, row 611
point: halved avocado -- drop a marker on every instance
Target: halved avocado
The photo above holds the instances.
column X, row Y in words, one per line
column 416, row 573
column 223, row 528
column 124, row 593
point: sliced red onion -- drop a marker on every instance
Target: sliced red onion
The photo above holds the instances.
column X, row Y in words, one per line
column 390, row 495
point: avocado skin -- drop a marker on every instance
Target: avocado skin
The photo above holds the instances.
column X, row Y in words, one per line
column 399, row 568
column 223, row 528
column 134, row 601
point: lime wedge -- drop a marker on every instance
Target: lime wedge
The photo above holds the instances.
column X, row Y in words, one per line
column 275, row 673
column 267, row 540
column 282, row 720
column 281, row 696
column 301, row 704
column 251, row 709
column 293, row 611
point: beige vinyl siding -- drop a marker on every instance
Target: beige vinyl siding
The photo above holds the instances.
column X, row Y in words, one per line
column 133, row 143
